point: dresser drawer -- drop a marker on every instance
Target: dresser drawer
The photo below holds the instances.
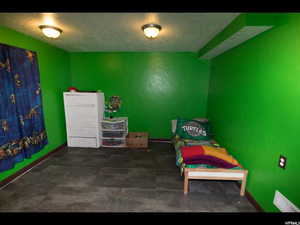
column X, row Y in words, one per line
column 82, row 132
column 80, row 99
column 82, row 142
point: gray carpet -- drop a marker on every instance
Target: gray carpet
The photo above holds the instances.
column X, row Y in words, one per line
column 117, row 180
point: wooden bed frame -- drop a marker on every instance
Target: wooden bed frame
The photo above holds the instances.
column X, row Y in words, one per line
column 214, row 174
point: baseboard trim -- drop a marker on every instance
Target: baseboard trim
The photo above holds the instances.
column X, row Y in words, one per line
column 251, row 199
column 165, row 140
column 28, row 167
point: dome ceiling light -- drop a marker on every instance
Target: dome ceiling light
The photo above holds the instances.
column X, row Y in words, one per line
column 50, row 31
column 151, row 30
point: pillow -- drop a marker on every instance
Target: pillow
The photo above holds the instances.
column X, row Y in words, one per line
column 174, row 123
column 203, row 120
column 193, row 129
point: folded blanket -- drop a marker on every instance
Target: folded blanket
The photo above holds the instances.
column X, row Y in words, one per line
column 203, row 154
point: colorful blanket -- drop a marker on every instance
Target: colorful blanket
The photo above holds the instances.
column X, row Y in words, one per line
column 203, row 154
column 178, row 143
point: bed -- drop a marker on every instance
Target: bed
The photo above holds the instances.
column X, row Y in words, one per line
column 203, row 171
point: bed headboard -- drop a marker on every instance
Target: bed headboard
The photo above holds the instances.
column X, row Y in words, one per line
column 173, row 122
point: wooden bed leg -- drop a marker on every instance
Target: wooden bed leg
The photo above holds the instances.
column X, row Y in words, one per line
column 186, row 182
column 243, row 186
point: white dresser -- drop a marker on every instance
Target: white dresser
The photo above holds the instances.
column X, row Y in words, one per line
column 84, row 112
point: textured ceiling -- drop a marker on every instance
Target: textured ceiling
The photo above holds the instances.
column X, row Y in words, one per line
column 88, row 32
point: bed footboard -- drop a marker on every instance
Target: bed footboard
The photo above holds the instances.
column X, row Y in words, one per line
column 215, row 174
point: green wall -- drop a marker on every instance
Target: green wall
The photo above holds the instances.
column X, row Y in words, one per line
column 254, row 106
column 55, row 78
column 253, row 98
column 154, row 87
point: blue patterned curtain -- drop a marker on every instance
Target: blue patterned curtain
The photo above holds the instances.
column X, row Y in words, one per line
column 22, row 129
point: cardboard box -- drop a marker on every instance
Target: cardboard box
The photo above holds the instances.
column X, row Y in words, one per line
column 137, row 140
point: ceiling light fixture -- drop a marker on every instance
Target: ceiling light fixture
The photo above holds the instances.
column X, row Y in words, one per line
column 151, row 30
column 50, row 31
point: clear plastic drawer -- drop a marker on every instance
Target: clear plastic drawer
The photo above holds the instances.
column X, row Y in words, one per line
column 113, row 134
column 109, row 142
column 116, row 125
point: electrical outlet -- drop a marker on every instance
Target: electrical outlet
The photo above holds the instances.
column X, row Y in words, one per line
column 282, row 162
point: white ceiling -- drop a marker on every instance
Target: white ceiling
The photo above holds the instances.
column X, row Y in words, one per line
column 90, row 32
